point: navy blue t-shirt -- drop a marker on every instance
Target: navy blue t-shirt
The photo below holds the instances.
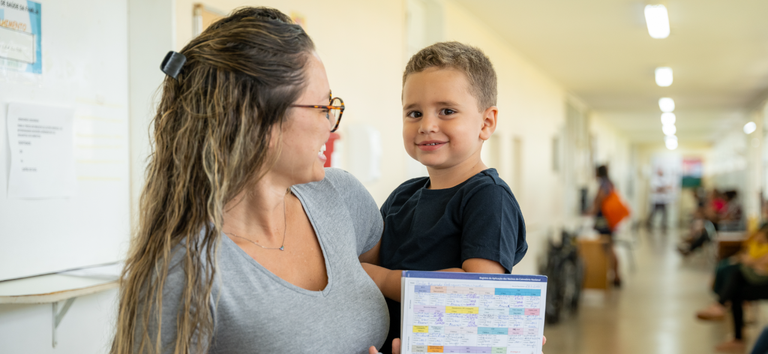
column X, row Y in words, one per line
column 426, row 229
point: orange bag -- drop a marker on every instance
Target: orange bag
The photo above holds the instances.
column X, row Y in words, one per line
column 614, row 209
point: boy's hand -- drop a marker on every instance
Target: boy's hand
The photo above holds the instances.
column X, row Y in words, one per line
column 395, row 347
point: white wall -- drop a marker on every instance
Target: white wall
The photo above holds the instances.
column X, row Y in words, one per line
column 88, row 325
column 151, row 34
column 532, row 110
column 738, row 161
column 730, row 161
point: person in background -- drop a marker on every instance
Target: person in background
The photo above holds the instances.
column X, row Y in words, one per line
column 660, row 196
column 761, row 345
column 741, row 278
column 702, row 227
column 245, row 242
column 731, row 217
column 605, row 188
column 717, row 204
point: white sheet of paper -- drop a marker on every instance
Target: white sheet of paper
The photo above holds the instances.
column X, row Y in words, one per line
column 41, row 140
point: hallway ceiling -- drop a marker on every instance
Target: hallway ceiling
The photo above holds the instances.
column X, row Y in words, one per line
column 600, row 51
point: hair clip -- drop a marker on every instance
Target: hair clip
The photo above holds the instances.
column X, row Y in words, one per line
column 172, row 63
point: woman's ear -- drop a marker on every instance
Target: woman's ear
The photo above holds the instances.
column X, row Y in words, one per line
column 489, row 122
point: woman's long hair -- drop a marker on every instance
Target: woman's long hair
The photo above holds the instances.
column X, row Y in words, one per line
column 211, row 137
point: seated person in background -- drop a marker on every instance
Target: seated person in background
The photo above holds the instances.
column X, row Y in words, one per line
column 716, row 206
column 462, row 217
column 743, row 277
column 698, row 235
column 731, row 218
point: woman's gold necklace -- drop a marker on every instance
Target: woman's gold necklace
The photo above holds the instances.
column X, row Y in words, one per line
column 282, row 246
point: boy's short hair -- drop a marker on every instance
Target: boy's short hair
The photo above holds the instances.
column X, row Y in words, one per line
column 467, row 59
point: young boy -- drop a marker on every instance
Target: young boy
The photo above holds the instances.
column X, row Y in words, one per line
column 462, row 217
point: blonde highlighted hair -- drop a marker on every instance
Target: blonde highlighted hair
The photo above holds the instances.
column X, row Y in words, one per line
column 210, row 141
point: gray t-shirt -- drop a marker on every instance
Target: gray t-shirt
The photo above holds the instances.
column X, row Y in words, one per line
column 258, row 312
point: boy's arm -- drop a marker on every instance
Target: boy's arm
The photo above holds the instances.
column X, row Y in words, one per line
column 481, row 265
column 372, row 256
column 389, row 281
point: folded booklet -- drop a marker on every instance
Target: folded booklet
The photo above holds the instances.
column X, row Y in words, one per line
column 445, row 312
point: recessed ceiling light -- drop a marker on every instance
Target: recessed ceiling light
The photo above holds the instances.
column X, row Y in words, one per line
column 669, row 129
column 670, row 142
column 657, row 18
column 666, row 104
column 663, row 76
column 750, row 128
column 668, row 118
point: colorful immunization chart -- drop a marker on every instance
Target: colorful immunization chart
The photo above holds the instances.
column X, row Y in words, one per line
column 466, row 313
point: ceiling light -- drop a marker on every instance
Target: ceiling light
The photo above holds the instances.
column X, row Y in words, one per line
column 668, row 118
column 663, row 76
column 657, row 18
column 750, row 128
column 670, row 142
column 666, row 104
column 669, row 129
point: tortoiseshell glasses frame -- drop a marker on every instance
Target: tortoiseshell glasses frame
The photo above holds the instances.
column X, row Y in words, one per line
column 333, row 112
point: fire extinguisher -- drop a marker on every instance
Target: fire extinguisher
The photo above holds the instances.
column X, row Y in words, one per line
column 329, row 147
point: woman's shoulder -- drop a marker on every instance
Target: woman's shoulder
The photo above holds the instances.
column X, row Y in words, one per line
column 339, row 176
column 336, row 182
column 338, row 191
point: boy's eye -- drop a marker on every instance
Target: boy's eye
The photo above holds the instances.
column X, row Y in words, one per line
column 446, row 112
column 413, row 114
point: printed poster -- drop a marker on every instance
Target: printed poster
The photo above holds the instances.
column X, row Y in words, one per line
column 20, row 37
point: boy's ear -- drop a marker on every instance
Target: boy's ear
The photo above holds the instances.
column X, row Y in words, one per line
column 489, row 122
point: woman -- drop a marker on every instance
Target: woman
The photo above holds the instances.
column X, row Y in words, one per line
column 245, row 243
column 601, row 223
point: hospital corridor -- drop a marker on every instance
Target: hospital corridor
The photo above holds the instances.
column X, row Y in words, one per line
column 384, row 176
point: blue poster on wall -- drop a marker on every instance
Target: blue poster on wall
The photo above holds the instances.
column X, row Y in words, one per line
column 20, row 37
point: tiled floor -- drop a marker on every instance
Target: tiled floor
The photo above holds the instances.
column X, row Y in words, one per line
column 653, row 313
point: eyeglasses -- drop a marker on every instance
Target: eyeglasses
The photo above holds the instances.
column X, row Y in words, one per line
column 333, row 111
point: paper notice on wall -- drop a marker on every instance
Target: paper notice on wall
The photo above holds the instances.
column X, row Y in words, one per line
column 41, row 140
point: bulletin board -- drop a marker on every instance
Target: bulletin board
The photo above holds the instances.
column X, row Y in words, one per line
column 81, row 65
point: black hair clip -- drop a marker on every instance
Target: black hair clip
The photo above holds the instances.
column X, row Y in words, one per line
column 172, row 63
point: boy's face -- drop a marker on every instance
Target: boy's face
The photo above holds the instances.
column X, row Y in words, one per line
column 442, row 125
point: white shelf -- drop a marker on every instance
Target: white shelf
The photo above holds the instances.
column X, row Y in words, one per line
column 60, row 286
